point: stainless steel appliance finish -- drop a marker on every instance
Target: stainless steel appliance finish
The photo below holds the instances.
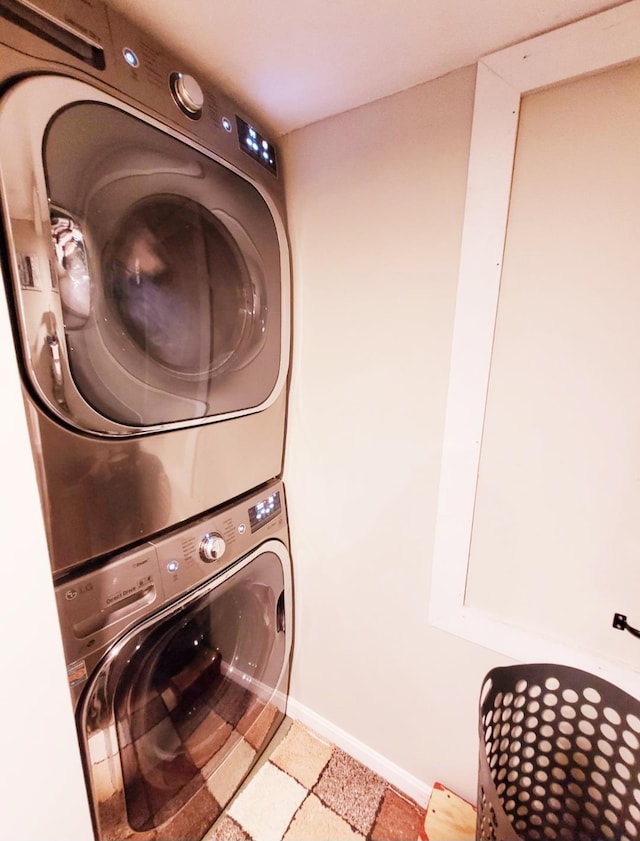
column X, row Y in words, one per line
column 147, row 265
column 178, row 658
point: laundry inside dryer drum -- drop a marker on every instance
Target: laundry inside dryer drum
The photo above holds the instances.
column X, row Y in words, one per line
column 168, row 271
column 160, row 247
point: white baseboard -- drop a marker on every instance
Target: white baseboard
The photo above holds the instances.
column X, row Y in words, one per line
column 405, row 782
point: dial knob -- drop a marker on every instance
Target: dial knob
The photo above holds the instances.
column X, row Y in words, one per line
column 212, row 547
column 188, row 93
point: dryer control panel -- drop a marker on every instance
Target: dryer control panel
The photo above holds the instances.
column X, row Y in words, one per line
column 91, row 39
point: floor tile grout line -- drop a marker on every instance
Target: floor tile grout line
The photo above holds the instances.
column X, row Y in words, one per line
column 313, row 788
column 308, row 789
column 304, row 800
column 353, row 827
column 386, row 785
column 378, row 810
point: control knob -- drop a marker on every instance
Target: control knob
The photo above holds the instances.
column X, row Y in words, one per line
column 212, row 547
column 187, row 93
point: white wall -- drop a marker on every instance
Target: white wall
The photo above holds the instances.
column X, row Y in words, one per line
column 43, row 792
column 376, row 199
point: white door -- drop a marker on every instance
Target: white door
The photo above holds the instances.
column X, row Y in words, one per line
column 556, row 535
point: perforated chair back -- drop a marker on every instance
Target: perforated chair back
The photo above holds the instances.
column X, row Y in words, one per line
column 559, row 757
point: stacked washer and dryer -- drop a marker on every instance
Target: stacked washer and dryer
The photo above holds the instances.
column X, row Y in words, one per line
column 146, row 265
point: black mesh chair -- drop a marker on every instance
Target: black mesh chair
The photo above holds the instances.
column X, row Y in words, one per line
column 559, row 757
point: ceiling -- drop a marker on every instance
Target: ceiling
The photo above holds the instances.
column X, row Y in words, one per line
column 293, row 62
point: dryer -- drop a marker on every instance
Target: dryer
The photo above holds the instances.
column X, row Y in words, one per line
column 147, row 268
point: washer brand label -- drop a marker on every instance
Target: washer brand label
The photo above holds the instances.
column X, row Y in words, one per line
column 73, row 592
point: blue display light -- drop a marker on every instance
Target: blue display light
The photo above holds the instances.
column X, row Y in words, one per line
column 130, row 57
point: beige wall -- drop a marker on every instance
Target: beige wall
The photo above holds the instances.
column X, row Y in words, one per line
column 376, row 199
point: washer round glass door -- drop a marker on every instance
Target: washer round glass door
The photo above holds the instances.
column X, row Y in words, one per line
column 161, row 300
column 181, row 693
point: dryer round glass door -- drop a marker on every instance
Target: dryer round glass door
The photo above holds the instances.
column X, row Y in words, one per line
column 153, row 292
column 166, row 265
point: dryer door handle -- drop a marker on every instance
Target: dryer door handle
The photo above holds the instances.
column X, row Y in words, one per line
column 56, row 370
column 281, row 622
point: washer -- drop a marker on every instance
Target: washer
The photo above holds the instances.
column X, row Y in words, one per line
column 147, row 267
column 178, row 658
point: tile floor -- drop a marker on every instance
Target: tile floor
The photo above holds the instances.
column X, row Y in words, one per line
column 311, row 790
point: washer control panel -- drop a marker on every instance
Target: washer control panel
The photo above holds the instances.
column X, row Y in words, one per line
column 211, row 544
column 212, row 547
column 96, row 607
column 265, row 511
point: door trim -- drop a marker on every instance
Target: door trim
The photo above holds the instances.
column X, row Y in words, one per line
column 587, row 46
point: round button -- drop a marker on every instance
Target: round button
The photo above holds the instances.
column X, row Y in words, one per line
column 188, row 94
column 130, row 57
column 212, row 547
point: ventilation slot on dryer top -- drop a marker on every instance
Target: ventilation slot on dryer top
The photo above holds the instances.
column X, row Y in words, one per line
column 39, row 23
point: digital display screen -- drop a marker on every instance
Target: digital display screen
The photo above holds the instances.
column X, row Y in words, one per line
column 265, row 511
column 256, row 145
